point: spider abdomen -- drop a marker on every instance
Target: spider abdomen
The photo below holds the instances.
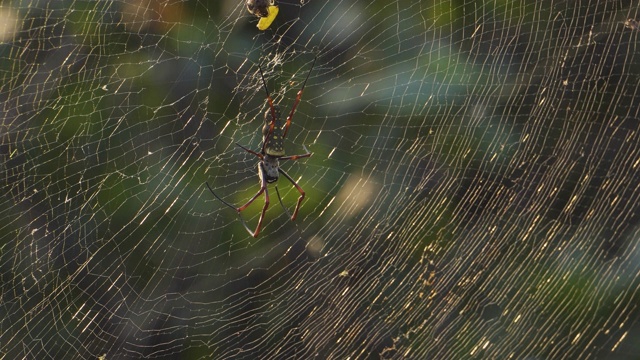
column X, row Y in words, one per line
column 275, row 146
column 273, row 137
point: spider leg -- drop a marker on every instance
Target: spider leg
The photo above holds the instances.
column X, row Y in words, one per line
column 219, row 198
column 281, row 203
column 263, row 189
column 293, row 157
column 295, row 212
column 296, row 157
column 255, row 233
column 243, row 207
column 271, row 108
column 244, row 223
column 295, row 104
column 250, row 151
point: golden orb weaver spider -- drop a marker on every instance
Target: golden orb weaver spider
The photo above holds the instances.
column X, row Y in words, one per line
column 273, row 134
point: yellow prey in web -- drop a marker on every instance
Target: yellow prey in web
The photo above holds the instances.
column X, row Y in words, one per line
column 266, row 10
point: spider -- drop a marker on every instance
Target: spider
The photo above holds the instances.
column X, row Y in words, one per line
column 266, row 10
column 273, row 134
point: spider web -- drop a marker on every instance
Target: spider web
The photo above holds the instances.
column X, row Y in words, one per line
column 472, row 192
